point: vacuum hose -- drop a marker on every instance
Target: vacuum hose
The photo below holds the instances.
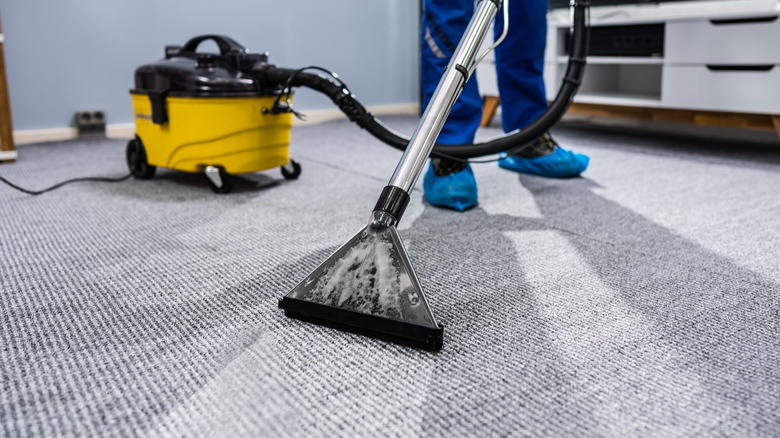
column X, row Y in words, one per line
column 356, row 112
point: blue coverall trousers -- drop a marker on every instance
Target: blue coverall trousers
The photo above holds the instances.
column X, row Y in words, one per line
column 519, row 64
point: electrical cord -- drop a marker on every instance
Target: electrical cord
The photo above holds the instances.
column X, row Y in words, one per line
column 58, row 185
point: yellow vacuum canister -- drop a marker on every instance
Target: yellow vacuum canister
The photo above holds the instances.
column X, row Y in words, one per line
column 203, row 112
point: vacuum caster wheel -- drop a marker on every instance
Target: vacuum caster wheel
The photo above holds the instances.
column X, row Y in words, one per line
column 136, row 160
column 291, row 170
column 219, row 180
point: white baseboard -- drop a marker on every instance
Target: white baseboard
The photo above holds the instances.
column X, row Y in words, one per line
column 41, row 135
column 121, row 130
column 127, row 130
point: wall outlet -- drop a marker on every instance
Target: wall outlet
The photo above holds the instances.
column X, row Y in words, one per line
column 91, row 122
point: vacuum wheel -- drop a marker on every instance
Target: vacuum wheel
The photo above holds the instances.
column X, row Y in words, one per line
column 219, row 180
column 136, row 160
column 291, row 170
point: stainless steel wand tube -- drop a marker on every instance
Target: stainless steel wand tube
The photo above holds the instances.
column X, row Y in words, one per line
column 447, row 92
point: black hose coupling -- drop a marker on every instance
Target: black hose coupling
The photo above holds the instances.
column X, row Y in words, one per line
column 392, row 201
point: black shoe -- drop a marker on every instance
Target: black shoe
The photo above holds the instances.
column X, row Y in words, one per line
column 543, row 145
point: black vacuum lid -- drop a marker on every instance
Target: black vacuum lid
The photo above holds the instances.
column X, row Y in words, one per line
column 185, row 72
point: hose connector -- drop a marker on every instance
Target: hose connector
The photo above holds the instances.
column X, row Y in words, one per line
column 389, row 208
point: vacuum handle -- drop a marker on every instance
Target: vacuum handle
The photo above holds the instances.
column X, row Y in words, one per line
column 226, row 44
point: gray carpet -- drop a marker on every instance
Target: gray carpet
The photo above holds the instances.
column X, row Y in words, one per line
column 638, row 300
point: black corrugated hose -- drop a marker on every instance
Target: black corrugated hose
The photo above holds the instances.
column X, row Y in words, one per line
column 334, row 88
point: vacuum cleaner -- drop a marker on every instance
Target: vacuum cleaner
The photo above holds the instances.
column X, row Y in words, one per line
column 368, row 285
column 202, row 112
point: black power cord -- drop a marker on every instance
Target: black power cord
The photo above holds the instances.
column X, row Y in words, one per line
column 58, row 185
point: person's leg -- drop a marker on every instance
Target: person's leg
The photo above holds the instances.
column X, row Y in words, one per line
column 443, row 24
column 449, row 183
column 520, row 63
column 519, row 67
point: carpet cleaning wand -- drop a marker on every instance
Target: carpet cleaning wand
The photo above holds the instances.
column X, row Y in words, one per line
column 368, row 285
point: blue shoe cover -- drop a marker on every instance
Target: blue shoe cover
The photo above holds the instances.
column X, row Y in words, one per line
column 457, row 190
column 560, row 163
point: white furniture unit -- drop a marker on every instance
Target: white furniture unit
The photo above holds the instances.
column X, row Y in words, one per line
column 718, row 55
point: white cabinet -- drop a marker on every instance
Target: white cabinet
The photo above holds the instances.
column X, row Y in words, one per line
column 718, row 55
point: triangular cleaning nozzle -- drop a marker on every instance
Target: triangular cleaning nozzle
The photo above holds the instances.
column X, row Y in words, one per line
column 368, row 286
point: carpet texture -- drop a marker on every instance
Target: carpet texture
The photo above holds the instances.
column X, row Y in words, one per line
column 638, row 300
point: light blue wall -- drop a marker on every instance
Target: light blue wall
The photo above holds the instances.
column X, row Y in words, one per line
column 64, row 56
